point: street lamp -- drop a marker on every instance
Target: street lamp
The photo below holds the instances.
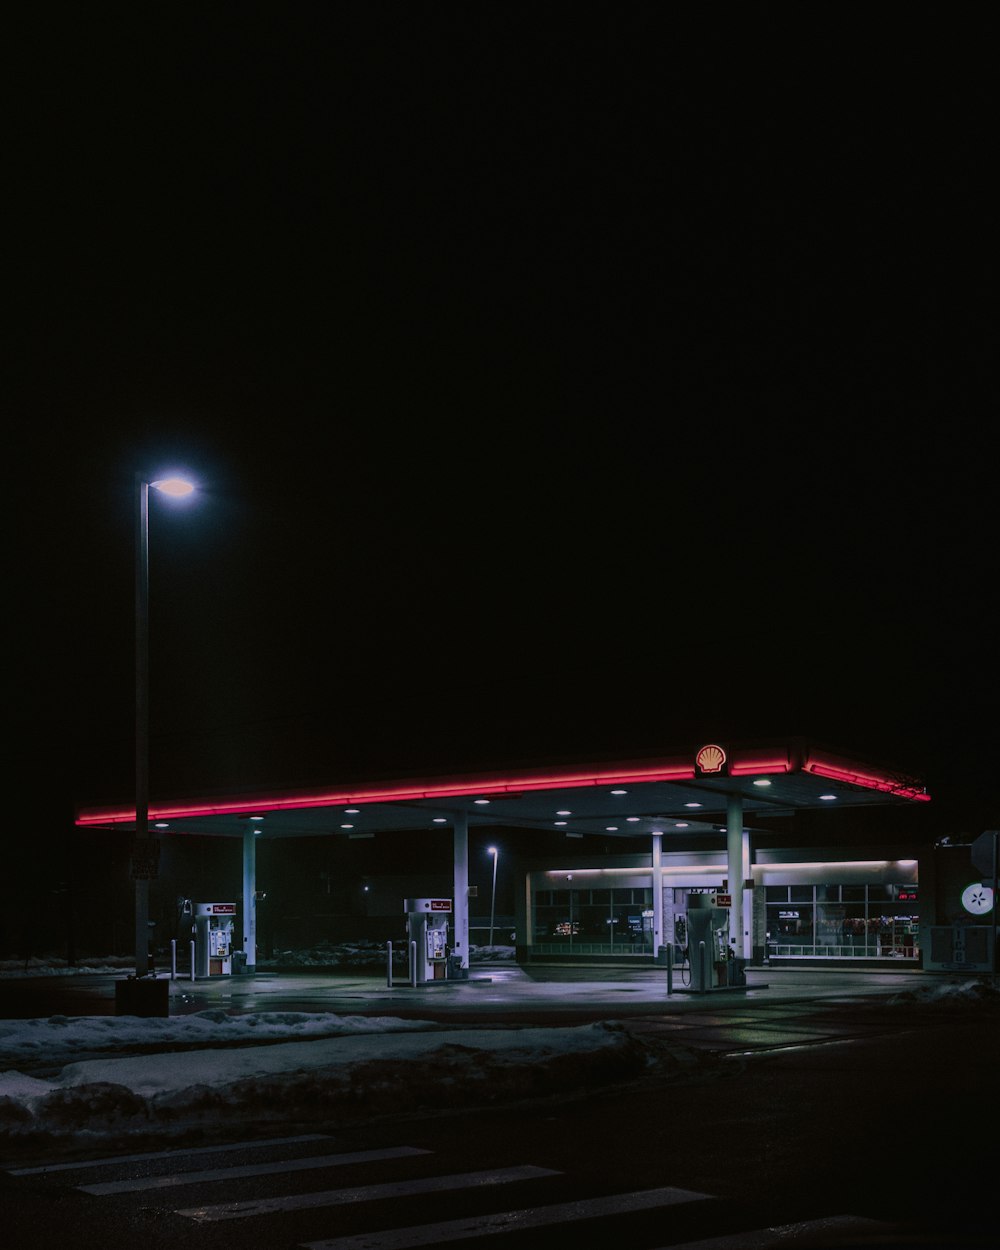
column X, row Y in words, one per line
column 145, row 849
column 493, row 899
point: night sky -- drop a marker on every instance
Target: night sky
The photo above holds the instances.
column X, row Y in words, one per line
column 557, row 381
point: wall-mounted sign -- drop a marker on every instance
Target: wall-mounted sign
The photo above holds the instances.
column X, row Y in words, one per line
column 711, row 760
column 977, row 898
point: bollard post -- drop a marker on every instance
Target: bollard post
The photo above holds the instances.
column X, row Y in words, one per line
column 388, row 964
column 413, row 965
column 192, row 959
column 703, row 965
column 670, row 969
column 173, row 959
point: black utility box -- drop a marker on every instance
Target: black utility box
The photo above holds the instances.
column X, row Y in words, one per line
column 142, row 996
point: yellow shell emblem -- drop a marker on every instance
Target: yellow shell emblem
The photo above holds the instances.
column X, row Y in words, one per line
column 710, row 759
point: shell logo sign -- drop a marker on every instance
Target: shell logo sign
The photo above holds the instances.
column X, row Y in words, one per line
column 710, row 759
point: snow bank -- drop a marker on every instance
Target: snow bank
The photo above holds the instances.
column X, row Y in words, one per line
column 50, row 966
column 56, row 1040
column 331, row 1081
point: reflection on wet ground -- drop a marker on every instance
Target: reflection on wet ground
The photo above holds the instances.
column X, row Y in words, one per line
column 499, row 992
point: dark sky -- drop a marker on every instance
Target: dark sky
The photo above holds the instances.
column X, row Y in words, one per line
column 557, row 380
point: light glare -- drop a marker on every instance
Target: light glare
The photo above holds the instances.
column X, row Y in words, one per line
column 175, row 486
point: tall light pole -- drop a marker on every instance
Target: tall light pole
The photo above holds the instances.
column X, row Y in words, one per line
column 145, row 850
column 493, row 898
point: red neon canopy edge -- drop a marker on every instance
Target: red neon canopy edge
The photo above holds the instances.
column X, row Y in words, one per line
column 666, row 771
column 823, row 765
column 743, row 763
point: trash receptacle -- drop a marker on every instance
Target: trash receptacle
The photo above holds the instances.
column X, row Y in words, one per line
column 737, row 970
column 238, row 963
column 142, row 996
column 455, row 970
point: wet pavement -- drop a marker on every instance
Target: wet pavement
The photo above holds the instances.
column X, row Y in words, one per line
column 495, row 994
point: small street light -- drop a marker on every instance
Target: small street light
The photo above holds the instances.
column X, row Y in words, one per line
column 492, row 850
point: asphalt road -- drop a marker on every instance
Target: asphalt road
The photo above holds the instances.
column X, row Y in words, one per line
column 831, row 1117
column 879, row 1140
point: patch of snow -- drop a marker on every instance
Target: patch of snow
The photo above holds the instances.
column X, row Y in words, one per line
column 355, row 1075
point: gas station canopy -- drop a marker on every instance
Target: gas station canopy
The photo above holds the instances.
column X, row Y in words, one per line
column 686, row 793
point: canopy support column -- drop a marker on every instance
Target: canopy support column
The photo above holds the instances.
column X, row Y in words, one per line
column 746, row 896
column 250, row 895
column 657, row 893
column 461, row 886
column 734, row 869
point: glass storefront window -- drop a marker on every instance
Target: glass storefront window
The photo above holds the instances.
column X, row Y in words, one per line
column 598, row 922
column 820, row 920
column 876, row 922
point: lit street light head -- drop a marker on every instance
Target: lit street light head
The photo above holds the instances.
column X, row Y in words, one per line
column 175, row 486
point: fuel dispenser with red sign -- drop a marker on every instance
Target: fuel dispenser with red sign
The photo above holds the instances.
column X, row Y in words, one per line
column 427, row 927
column 213, row 939
column 709, row 955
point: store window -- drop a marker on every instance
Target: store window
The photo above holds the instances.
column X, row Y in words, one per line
column 842, row 922
column 593, row 922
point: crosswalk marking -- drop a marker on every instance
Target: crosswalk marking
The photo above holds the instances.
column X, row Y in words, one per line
column 80, row 1165
column 509, row 1221
column 789, row 1234
column 366, row 1193
column 776, row 1237
column 251, row 1169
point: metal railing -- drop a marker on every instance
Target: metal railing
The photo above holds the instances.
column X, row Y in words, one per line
column 805, row 950
column 589, row 948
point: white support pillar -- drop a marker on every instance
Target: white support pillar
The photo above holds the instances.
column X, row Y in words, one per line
column 461, row 886
column 746, row 947
column 657, row 893
column 250, row 895
column 734, row 867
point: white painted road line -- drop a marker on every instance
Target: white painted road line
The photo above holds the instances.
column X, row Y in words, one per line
column 251, row 1169
column 510, row 1221
column 791, row 1235
column 80, row 1165
column 367, row 1193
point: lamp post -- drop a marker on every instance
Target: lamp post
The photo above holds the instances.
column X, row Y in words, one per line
column 493, row 898
column 144, row 849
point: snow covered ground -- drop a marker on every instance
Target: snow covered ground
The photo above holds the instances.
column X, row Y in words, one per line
column 94, row 1079
column 91, row 1080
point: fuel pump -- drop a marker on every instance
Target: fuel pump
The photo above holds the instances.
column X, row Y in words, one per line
column 708, row 941
column 213, row 938
column 427, row 926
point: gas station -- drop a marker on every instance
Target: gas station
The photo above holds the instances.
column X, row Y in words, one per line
column 725, row 893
